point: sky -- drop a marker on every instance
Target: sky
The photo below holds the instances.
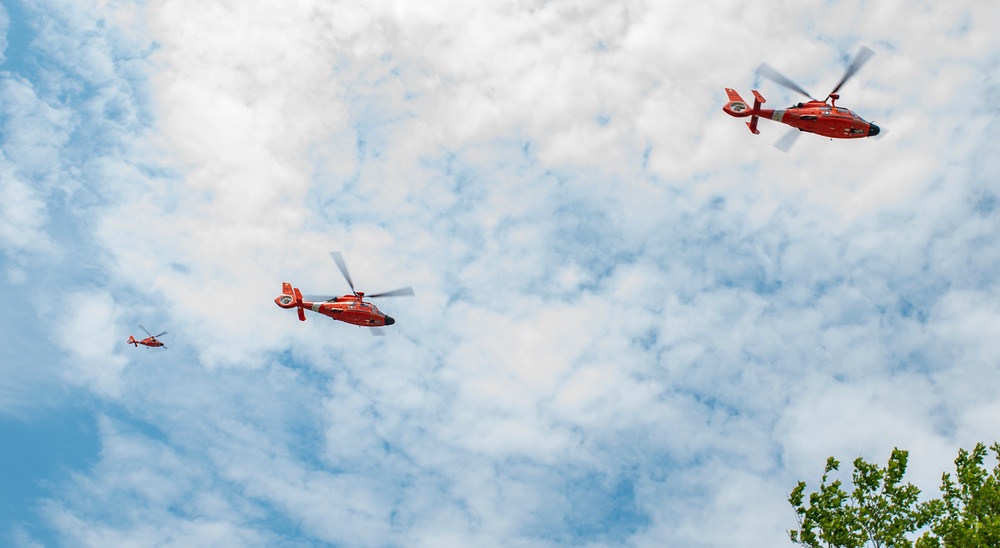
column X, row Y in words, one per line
column 635, row 323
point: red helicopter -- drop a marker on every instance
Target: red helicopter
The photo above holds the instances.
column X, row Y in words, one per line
column 347, row 308
column 815, row 116
column 148, row 342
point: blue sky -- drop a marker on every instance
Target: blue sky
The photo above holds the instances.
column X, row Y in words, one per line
column 635, row 323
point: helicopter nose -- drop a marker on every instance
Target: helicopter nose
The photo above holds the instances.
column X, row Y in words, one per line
column 872, row 130
column 389, row 320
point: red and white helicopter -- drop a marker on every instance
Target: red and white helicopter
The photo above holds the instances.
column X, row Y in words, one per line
column 350, row 309
column 149, row 342
column 814, row 116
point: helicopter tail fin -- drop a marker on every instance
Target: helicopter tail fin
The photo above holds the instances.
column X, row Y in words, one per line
column 736, row 106
column 739, row 108
column 291, row 297
column 287, row 297
column 131, row 340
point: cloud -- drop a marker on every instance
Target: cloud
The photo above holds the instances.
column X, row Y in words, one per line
column 4, row 28
column 23, row 216
column 631, row 317
column 88, row 332
column 151, row 477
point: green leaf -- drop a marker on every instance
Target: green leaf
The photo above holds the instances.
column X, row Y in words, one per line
column 879, row 511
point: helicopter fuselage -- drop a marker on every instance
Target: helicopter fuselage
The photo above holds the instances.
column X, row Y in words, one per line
column 817, row 117
column 149, row 342
column 352, row 309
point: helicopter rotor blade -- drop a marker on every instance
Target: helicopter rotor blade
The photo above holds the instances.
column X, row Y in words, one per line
column 769, row 72
column 337, row 258
column 786, row 142
column 859, row 60
column 376, row 331
column 160, row 335
column 319, row 298
column 146, row 331
column 401, row 292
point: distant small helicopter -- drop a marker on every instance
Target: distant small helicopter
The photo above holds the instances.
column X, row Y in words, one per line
column 148, row 342
column 814, row 116
column 347, row 308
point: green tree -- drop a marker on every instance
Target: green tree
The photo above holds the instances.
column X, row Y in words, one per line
column 878, row 512
column 970, row 509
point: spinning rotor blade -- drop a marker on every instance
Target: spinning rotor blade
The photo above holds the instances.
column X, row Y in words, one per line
column 767, row 71
column 160, row 335
column 859, row 60
column 343, row 269
column 401, row 292
column 786, row 142
column 318, row 298
column 377, row 331
column 145, row 330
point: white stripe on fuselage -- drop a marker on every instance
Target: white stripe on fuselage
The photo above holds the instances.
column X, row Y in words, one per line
column 778, row 114
column 315, row 307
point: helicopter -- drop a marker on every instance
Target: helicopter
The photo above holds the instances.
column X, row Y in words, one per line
column 814, row 116
column 350, row 308
column 148, row 342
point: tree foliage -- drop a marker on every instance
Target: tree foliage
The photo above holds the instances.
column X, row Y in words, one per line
column 878, row 512
column 970, row 508
column 881, row 510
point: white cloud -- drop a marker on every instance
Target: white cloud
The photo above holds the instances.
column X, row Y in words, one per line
column 4, row 29
column 167, row 499
column 22, row 214
column 632, row 316
column 89, row 331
